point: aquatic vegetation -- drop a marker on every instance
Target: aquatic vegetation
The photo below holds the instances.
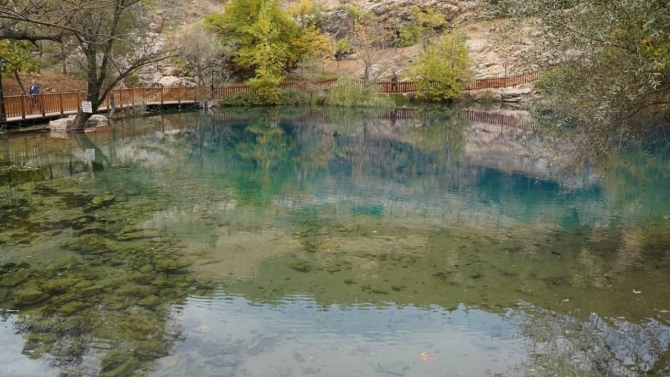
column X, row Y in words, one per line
column 209, row 246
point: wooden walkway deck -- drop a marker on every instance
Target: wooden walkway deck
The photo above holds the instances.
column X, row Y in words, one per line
column 22, row 109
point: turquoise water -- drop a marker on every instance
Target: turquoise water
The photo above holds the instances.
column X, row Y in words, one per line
column 331, row 243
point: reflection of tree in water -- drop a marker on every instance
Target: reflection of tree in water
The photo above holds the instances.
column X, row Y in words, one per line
column 565, row 345
column 268, row 149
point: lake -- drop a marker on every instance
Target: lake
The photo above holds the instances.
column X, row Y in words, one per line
column 327, row 242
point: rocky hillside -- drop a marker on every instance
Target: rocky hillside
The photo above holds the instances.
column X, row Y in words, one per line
column 468, row 15
column 170, row 17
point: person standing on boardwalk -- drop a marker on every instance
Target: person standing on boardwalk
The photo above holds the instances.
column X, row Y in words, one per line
column 394, row 82
column 34, row 95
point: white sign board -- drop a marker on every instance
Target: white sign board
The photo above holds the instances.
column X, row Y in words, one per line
column 90, row 154
column 87, row 107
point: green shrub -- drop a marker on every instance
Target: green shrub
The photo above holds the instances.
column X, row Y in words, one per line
column 399, row 100
column 285, row 97
column 406, row 35
column 131, row 81
column 349, row 91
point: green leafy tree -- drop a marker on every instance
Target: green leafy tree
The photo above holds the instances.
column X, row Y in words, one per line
column 342, row 47
column 270, row 40
column 112, row 37
column 443, row 69
column 610, row 64
column 427, row 23
column 19, row 58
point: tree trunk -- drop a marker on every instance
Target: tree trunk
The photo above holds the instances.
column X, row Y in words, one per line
column 112, row 105
column 62, row 55
column 80, row 120
column 18, row 80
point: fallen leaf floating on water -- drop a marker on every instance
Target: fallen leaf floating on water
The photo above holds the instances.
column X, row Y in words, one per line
column 424, row 356
column 663, row 311
column 637, row 292
column 566, row 300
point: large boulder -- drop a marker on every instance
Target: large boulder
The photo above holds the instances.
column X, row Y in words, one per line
column 338, row 23
column 97, row 120
column 62, row 124
column 516, row 94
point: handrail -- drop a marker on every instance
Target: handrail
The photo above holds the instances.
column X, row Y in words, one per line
column 59, row 103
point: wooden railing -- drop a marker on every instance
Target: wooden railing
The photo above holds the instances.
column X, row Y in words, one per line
column 68, row 102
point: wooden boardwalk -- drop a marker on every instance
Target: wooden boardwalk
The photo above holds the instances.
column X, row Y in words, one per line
column 22, row 109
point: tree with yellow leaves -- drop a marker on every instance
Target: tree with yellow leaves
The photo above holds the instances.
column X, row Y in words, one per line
column 443, row 69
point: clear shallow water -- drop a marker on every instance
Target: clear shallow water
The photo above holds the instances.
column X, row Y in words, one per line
column 272, row 243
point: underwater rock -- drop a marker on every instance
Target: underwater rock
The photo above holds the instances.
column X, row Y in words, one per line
column 91, row 291
column 224, row 361
column 29, row 296
column 4, row 294
column 92, row 244
column 256, row 346
column 143, row 279
column 220, row 372
column 168, row 265
column 146, row 269
column 124, row 369
column 9, row 267
column 138, row 291
column 13, row 279
column 56, row 286
column 150, row 301
column 301, row 266
column 210, row 349
column 71, row 307
column 102, row 200
column 152, row 349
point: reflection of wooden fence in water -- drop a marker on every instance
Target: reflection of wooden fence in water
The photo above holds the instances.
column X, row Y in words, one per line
column 497, row 118
column 22, row 147
column 57, row 104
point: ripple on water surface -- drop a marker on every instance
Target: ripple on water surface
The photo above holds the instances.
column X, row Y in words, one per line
column 299, row 336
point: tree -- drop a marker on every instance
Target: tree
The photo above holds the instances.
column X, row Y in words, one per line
column 443, row 69
column 609, row 63
column 206, row 55
column 269, row 40
column 112, row 38
column 342, row 47
column 369, row 39
column 19, row 59
column 427, row 23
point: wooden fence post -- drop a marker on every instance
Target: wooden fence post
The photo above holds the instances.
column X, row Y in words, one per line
column 60, row 100
column 23, row 107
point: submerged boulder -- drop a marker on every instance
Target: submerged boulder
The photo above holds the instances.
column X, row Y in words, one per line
column 13, row 279
column 58, row 285
column 29, row 296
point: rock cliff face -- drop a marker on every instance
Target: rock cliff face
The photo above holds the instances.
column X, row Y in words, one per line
column 466, row 15
column 338, row 21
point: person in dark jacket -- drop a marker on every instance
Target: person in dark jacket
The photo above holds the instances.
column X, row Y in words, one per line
column 34, row 94
column 394, row 82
